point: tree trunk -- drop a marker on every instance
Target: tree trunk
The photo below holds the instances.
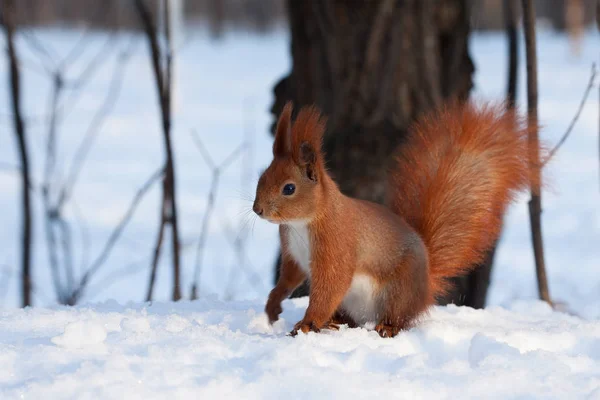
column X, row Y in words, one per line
column 373, row 67
column 535, row 204
column 8, row 21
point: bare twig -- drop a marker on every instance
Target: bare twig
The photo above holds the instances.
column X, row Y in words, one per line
column 66, row 243
column 168, row 50
column 8, row 21
column 52, row 214
column 114, row 236
column 212, row 194
column 157, row 247
column 97, row 61
column 244, row 263
column 510, row 21
column 77, row 84
column 163, row 77
column 246, row 176
column 42, row 50
column 535, row 204
column 564, row 137
column 56, row 192
column 94, row 128
column 84, row 233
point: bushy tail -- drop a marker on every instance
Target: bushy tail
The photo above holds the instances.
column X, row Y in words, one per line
column 457, row 173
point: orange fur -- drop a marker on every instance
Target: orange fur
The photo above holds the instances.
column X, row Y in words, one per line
column 455, row 176
column 462, row 167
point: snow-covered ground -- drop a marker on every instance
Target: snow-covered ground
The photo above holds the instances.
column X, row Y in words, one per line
column 517, row 348
column 217, row 350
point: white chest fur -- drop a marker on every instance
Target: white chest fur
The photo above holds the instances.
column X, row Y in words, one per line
column 360, row 302
column 299, row 244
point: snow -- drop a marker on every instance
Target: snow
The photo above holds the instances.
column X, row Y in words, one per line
column 221, row 345
column 213, row 349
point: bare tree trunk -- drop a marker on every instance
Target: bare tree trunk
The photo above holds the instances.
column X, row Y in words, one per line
column 163, row 84
column 8, row 20
column 535, row 204
column 373, row 67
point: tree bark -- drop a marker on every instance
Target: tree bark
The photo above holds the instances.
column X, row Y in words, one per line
column 535, row 204
column 373, row 67
column 8, row 21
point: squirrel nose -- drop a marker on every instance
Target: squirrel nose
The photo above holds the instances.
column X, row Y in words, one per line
column 257, row 209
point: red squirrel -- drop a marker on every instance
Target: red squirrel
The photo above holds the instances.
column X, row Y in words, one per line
column 454, row 177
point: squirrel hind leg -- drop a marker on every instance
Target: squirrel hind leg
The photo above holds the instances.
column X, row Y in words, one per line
column 404, row 299
column 399, row 316
column 389, row 327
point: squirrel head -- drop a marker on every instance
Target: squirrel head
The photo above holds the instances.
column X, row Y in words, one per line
column 289, row 189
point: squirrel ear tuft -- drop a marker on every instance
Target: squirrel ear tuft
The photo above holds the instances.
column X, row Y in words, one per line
column 283, row 133
column 308, row 158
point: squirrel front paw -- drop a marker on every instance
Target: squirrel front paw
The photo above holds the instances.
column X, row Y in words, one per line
column 273, row 309
column 305, row 327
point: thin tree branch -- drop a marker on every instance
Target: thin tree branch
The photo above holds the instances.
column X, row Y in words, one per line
column 535, row 204
column 8, row 21
column 169, row 51
column 67, row 252
column 212, row 194
column 510, row 21
column 564, row 137
column 94, row 128
column 114, row 236
column 57, row 228
column 158, row 246
column 94, row 64
column 42, row 50
column 84, row 233
column 51, row 213
column 150, row 30
column 243, row 262
column 76, row 50
column 163, row 86
column 203, row 151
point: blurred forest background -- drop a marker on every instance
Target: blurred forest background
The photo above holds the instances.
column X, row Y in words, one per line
column 263, row 15
column 139, row 127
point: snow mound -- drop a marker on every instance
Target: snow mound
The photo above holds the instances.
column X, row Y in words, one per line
column 81, row 334
column 212, row 349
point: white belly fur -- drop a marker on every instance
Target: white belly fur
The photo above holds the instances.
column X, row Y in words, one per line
column 299, row 244
column 360, row 302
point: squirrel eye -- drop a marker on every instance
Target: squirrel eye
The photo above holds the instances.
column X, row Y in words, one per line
column 289, row 189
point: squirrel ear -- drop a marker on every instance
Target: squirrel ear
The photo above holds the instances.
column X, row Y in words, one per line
column 283, row 133
column 308, row 157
